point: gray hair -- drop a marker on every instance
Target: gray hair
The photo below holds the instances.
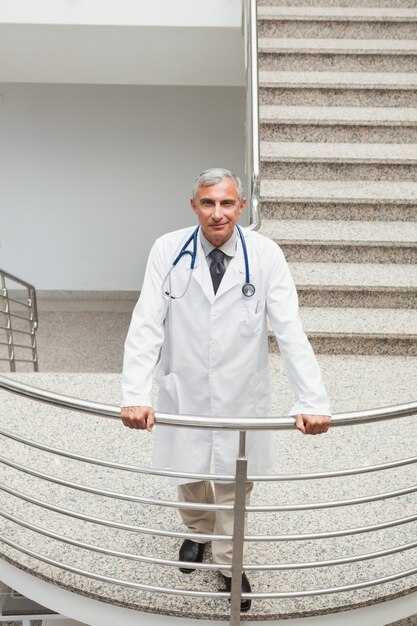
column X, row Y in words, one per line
column 215, row 175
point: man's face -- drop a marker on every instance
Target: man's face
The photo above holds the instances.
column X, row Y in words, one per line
column 217, row 208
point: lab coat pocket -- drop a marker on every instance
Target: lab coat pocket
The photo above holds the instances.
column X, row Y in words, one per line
column 167, row 401
column 251, row 316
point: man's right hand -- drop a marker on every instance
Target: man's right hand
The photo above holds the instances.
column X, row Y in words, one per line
column 139, row 417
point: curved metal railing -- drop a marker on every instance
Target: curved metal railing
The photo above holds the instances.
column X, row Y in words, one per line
column 240, row 478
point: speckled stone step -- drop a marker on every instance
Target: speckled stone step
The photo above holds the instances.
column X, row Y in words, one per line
column 359, row 331
column 342, row 192
column 339, row 241
column 340, row 80
column 335, row 161
column 339, row 3
column 382, row 89
column 351, row 55
column 334, row 200
column 335, row 22
column 358, row 285
column 339, row 124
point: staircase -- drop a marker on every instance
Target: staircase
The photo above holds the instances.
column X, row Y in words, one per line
column 338, row 111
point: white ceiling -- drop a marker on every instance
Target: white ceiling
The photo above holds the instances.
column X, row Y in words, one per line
column 153, row 42
column 214, row 13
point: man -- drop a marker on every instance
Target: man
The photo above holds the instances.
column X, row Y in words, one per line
column 214, row 359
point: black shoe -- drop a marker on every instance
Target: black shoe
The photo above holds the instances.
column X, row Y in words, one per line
column 245, row 603
column 192, row 552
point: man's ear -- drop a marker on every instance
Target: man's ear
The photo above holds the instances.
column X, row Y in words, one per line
column 193, row 206
column 242, row 206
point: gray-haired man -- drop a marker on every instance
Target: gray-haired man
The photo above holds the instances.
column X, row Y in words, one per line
column 209, row 314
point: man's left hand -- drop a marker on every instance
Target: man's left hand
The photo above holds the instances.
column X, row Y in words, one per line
column 312, row 424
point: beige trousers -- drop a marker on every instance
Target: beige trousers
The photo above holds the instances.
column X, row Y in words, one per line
column 213, row 522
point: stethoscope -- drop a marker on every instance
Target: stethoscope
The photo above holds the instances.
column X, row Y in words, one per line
column 248, row 289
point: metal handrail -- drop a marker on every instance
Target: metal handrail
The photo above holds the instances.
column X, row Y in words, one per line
column 195, row 421
column 207, row 537
column 117, row 553
column 117, row 495
column 208, row 594
column 112, row 524
column 208, row 507
column 206, row 566
column 114, row 581
column 225, row 477
column 252, row 161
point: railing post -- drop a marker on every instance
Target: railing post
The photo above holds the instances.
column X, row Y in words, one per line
column 33, row 327
column 238, row 530
column 9, row 329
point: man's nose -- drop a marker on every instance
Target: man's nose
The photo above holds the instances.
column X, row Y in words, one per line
column 217, row 211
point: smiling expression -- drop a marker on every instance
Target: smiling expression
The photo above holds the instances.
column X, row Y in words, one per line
column 218, row 208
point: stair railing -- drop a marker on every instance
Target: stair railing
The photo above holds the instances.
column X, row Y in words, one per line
column 252, row 151
column 18, row 321
column 239, row 478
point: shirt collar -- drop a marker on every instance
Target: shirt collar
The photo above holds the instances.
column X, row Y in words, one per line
column 229, row 247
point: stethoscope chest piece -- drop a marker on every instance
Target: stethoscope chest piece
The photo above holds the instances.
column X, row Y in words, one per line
column 248, row 290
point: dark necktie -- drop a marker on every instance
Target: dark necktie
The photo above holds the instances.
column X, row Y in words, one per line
column 217, row 268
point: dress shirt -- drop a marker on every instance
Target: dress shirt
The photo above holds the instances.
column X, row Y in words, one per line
column 228, row 248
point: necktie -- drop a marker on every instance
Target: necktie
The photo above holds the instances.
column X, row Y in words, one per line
column 217, row 268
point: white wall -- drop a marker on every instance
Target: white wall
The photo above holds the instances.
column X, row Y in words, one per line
column 90, row 175
column 121, row 55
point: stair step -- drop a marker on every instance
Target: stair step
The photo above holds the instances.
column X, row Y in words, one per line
column 338, row 14
column 337, row 22
column 337, row 46
column 339, row 80
column 339, row 3
column 339, row 152
column 345, row 55
column 339, row 124
column 340, row 241
column 359, row 331
column 335, row 161
column 328, row 116
column 342, row 192
column 372, row 233
column 356, row 285
column 334, row 210
column 347, row 89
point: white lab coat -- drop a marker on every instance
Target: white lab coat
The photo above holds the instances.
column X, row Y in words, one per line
column 214, row 358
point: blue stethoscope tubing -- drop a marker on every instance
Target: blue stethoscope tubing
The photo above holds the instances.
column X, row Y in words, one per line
column 248, row 289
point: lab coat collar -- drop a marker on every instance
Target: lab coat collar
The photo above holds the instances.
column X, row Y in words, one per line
column 201, row 273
